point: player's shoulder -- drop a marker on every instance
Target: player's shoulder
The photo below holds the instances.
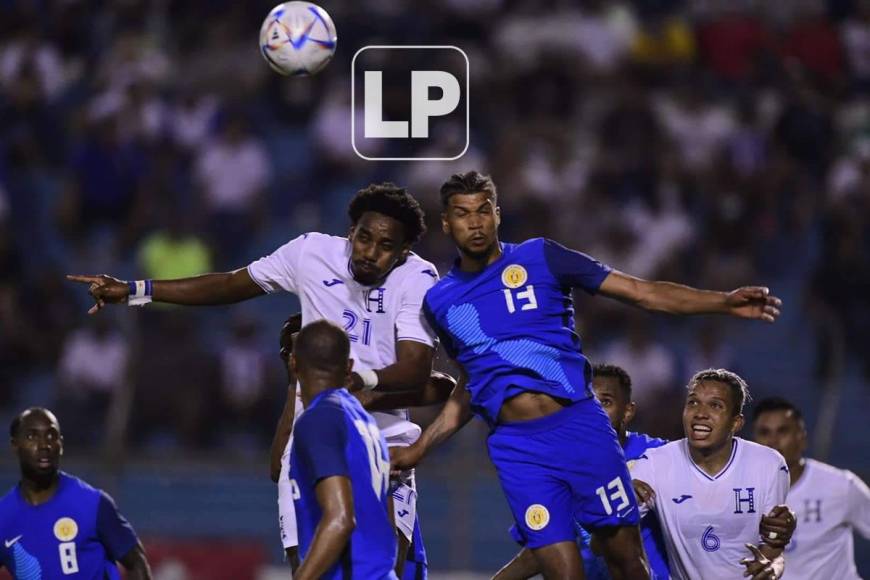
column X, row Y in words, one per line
column 414, row 269
column 667, row 451
column 758, row 454
column 320, row 240
column 8, row 502
column 328, row 409
column 79, row 486
column 832, row 475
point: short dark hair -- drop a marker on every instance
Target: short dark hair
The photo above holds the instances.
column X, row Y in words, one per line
column 392, row 201
column 771, row 404
column 616, row 372
column 322, row 346
column 466, row 183
column 15, row 425
column 739, row 388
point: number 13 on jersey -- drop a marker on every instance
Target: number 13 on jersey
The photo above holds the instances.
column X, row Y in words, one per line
column 524, row 298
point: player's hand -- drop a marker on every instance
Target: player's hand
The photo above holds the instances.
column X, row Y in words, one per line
column 291, row 327
column 404, row 458
column 760, row 567
column 103, row 289
column 356, row 383
column 645, row 494
column 777, row 527
column 754, row 302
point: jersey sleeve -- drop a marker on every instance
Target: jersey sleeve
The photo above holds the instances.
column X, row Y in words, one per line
column 280, row 269
column 411, row 323
column 778, row 486
column 643, row 469
column 319, row 442
column 445, row 338
column 573, row 268
column 114, row 531
column 858, row 498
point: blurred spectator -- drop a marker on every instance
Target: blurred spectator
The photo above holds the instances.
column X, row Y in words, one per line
column 233, row 172
column 174, row 251
column 709, row 350
column 856, row 42
column 651, row 365
column 813, row 41
column 105, row 178
column 191, row 119
column 92, row 370
column 244, row 386
column 664, row 40
column 698, row 126
column 733, row 43
column 27, row 51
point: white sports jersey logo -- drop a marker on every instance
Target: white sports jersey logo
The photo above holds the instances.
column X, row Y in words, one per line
column 10, row 543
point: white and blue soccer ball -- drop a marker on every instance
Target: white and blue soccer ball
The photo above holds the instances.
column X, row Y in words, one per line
column 297, row 38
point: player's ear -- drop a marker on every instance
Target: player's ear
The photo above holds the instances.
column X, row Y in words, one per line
column 445, row 227
column 497, row 216
column 739, row 420
column 630, row 411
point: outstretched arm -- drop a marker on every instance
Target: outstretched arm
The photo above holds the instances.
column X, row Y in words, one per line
column 753, row 302
column 455, row 414
column 208, row 289
column 335, row 498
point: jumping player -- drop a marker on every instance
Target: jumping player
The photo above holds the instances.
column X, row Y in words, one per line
column 505, row 314
column 370, row 283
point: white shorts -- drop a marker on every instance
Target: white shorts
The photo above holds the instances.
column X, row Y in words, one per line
column 404, row 490
column 286, row 511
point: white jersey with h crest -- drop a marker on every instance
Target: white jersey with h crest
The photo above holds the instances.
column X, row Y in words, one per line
column 829, row 504
column 707, row 519
column 316, row 267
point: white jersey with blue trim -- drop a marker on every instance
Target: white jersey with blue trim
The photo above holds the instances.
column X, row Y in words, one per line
column 316, row 267
column 829, row 504
column 707, row 520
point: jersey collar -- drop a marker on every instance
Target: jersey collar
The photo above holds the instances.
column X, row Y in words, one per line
column 734, row 445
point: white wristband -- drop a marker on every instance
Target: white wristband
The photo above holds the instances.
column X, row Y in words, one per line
column 369, row 379
column 140, row 293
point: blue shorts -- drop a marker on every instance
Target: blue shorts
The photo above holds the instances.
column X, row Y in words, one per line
column 560, row 469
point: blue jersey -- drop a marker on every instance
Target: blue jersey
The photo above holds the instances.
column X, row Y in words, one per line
column 78, row 533
column 511, row 325
column 335, row 436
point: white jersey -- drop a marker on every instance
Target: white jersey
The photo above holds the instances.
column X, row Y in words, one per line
column 316, row 267
column 706, row 519
column 829, row 503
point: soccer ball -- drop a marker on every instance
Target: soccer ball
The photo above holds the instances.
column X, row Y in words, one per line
column 297, row 38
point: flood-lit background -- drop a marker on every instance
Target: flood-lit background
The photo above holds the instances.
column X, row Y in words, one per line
column 714, row 143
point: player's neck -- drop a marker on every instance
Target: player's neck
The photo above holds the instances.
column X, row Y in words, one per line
column 39, row 491
column 795, row 471
column 622, row 435
column 471, row 263
column 712, row 460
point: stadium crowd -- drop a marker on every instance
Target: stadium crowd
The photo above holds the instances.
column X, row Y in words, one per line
column 713, row 142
